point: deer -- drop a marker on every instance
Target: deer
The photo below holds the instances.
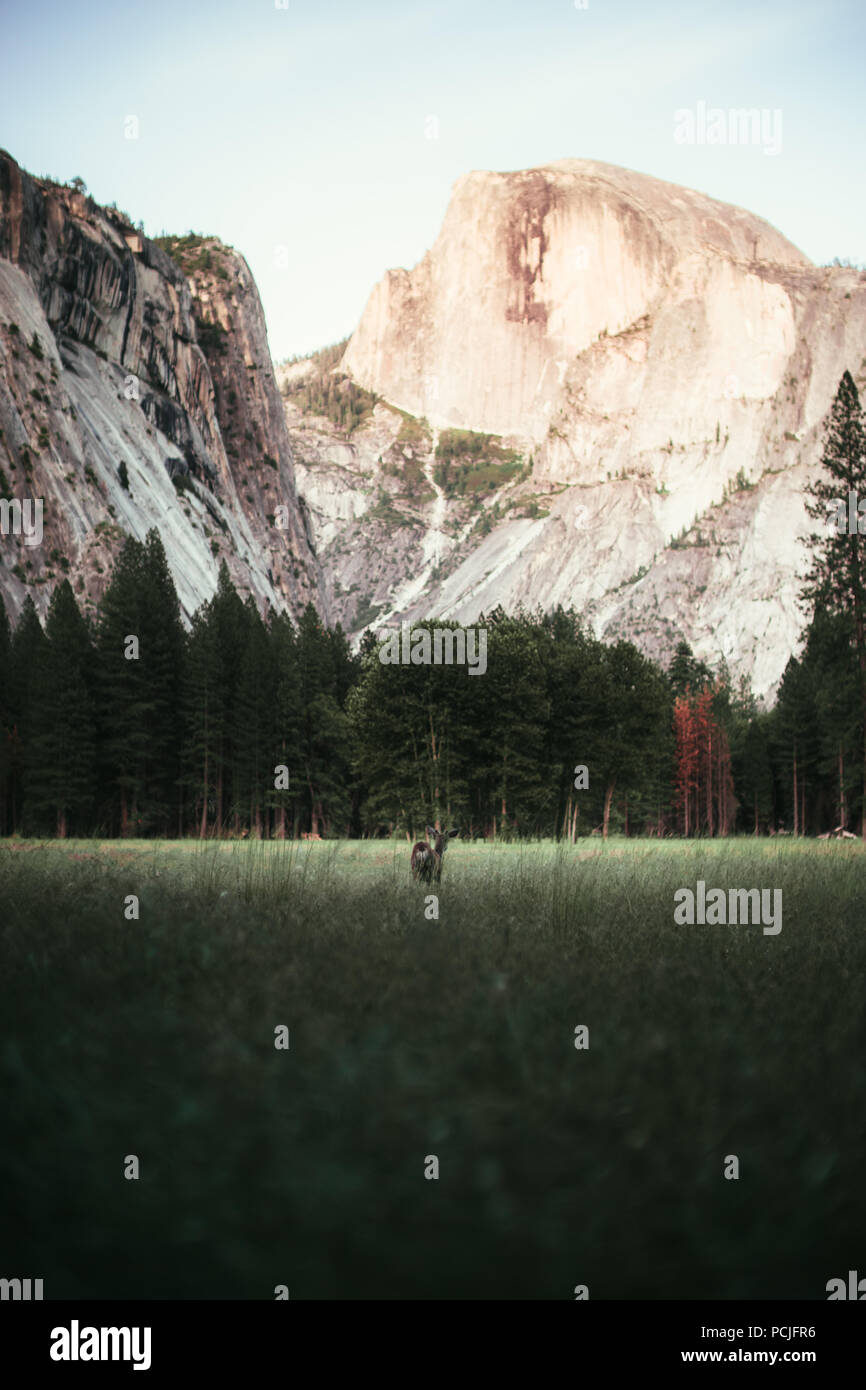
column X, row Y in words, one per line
column 427, row 855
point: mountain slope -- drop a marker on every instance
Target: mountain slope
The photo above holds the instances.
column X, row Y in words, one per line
column 120, row 404
column 661, row 365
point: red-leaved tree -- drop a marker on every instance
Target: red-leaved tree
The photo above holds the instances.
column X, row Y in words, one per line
column 704, row 784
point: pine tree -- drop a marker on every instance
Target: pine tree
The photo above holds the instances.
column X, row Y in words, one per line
column 252, row 718
column 632, row 708
column 837, row 578
column 59, row 778
column 204, row 711
column 749, row 731
column 140, row 646
column 231, row 623
column 6, row 725
column 324, row 745
column 122, row 688
column 28, row 652
column 570, row 659
column 686, row 672
column 286, row 718
column 512, row 743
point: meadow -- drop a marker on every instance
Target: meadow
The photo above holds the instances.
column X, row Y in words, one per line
column 558, row 1166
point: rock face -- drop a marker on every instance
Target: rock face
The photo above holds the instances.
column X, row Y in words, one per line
column 663, row 364
column 654, row 368
column 530, row 269
column 123, row 407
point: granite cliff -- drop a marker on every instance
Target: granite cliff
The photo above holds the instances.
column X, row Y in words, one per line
column 651, row 370
column 136, row 390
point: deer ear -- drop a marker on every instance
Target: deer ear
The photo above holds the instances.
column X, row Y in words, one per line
column 452, row 833
column 432, row 831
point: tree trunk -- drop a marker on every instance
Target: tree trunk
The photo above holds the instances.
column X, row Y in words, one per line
column 796, row 802
column 861, row 655
column 202, row 830
column 608, row 798
column 710, row 783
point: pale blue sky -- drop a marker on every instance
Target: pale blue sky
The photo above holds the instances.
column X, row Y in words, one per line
column 304, row 127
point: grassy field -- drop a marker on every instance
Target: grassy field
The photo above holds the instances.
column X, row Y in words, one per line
column 412, row 1037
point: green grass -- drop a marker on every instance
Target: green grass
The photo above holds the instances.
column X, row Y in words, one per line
column 325, row 391
column 412, row 1037
column 472, row 464
column 193, row 253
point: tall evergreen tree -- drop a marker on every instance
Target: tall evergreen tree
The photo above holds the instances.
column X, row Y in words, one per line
column 253, row 726
column 140, row 645
column 324, row 742
column 6, row 725
column 231, row 620
column 572, row 659
column 837, row 578
column 204, row 707
column 632, row 709
column 686, row 673
column 286, row 719
column 511, row 744
column 60, row 773
column 28, row 651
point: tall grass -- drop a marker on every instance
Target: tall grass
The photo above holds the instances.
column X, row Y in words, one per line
column 413, row 1037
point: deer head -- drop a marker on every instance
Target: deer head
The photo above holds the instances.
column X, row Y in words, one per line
column 439, row 839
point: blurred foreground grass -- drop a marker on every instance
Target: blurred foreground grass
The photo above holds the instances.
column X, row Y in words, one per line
column 412, row 1037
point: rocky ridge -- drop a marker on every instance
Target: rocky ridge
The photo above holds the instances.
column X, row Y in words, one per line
column 660, row 363
column 136, row 393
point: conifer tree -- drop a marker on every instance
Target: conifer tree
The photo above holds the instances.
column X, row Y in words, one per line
column 27, row 655
column 631, row 707
column 253, row 726
column 204, row 711
column 286, row 718
column 837, row 577
column 231, row 628
column 140, row 646
column 60, row 774
column 6, row 727
column 324, row 735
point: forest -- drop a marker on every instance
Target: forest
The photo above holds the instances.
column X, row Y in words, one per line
column 129, row 725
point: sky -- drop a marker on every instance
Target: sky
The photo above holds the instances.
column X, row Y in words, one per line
column 322, row 139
